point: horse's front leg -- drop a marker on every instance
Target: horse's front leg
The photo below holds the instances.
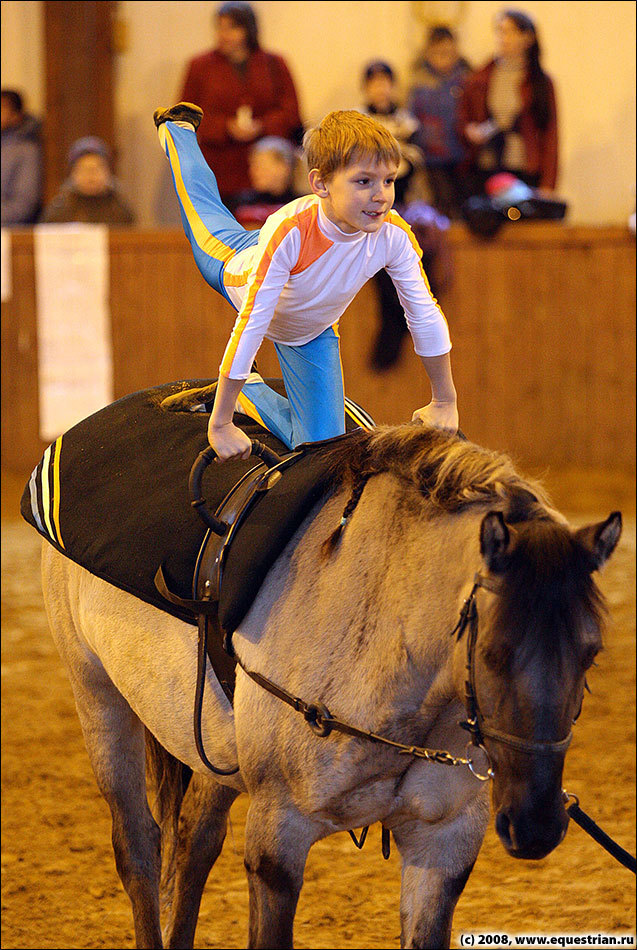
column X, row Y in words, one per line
column 277, row 843
column 437, row 860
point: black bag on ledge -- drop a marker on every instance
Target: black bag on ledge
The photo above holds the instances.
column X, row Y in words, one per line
column 508, row 199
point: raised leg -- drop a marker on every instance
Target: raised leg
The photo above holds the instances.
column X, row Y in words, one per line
column 203, row 821
column 436, row 863
column 115, row 743
column 277, row 843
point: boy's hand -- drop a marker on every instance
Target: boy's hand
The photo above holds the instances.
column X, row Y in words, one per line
column 229, row 442
column 440, row 415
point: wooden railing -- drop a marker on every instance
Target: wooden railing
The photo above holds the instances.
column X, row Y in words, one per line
column 542, row 321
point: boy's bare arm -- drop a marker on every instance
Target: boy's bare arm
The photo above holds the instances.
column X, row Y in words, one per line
column 227, row 439
column 442, row 411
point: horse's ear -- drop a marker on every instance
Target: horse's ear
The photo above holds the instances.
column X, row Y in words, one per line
column 494, row 541
column 601, row 539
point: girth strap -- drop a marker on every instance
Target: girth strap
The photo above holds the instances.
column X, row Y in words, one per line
column 209, row 607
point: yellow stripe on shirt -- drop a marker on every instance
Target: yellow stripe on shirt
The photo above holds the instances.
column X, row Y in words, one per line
column 246, row 310
column 208, row 243
column 396, row 220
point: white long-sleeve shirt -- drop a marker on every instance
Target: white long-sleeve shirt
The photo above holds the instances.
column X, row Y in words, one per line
column 304, row 272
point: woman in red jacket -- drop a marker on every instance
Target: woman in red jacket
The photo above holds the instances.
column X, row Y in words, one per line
column 245, row 93
column 508, row 114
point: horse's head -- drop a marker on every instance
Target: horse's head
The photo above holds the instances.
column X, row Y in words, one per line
column 537, row 631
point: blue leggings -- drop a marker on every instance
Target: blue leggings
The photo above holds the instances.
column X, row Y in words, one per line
column 312, row 373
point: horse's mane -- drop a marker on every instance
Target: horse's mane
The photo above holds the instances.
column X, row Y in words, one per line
column 549, row 573
column 449, row 472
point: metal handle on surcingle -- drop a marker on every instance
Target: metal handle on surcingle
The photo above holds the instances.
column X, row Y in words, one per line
column 201, row 463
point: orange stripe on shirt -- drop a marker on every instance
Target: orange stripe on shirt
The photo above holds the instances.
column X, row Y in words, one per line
column 244, row 315
column 313, row 241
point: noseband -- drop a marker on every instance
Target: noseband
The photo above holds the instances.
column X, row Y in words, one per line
column 475, row 722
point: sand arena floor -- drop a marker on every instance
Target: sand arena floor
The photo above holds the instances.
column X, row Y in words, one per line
column 59, row 884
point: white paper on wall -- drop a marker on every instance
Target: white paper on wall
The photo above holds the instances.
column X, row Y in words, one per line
column 75, row 364
column 5, row 264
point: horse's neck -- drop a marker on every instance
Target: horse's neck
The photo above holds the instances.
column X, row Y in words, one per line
column 375, row 616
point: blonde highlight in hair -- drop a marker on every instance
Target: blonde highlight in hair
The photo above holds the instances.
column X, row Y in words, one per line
column 344, row 137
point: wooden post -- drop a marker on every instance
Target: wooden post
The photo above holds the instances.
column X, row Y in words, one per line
column 79, row 80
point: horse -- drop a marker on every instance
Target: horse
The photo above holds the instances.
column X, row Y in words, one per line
column 432, row 587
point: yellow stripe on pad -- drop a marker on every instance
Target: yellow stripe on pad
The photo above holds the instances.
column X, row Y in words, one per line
column 46, row 493
column 355, row 417
column 56, row 490
column 208, row 243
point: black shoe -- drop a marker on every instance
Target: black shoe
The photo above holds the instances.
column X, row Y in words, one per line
column 182, row 112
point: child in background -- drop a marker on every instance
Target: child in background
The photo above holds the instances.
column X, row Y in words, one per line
column 90, row 194
column 439, row 78
column 379, row 90
column 292, row 280
column 271, row 166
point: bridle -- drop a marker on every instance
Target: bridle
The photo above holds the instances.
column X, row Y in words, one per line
column 475, row 722
column 322, row 723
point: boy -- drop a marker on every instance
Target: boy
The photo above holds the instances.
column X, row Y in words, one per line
column 293, row 279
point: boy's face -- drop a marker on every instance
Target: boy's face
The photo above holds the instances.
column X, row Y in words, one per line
column 357, row 197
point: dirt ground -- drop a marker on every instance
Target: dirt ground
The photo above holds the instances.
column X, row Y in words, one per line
column 59, row 884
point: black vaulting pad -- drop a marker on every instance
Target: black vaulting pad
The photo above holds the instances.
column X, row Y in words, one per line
column 112, row 495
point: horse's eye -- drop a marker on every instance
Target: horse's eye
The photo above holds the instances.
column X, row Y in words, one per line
column 589, row 654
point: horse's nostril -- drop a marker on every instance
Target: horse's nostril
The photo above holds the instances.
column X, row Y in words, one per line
column 503, row 828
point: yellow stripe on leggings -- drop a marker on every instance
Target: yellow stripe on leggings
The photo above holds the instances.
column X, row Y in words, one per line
column 208, row 243
column 248, row 408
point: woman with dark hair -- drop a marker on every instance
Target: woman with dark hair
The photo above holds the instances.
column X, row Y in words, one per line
column 508, row 114
column 245, row 93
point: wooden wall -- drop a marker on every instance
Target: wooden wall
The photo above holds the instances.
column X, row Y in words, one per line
column 542, row 320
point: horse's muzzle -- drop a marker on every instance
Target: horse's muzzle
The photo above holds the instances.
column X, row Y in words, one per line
column 531, row 837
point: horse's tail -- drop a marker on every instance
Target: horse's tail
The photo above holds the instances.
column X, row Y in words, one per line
column 168, row 779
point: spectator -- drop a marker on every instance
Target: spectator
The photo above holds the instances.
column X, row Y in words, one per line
column 271, row 166
column 90, row 194
column 21, row 162
column 508, row 113
column 245, row 93
column 439, row 77
column 381, row 102
column 379, row 90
